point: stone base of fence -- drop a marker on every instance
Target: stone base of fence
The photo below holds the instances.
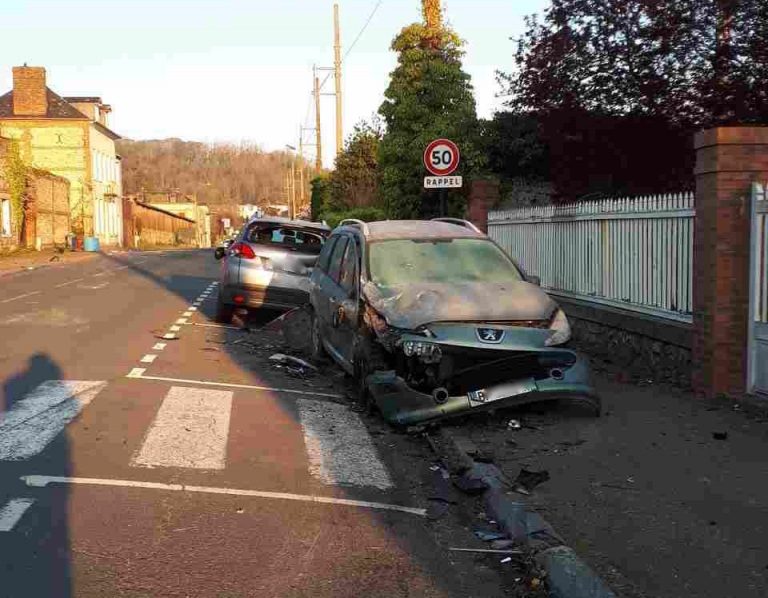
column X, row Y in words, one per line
column 640, row 345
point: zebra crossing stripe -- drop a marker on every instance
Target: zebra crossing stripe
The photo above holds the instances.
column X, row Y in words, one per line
column 14, row 510
column 34, row 421
column 339, row 448
column 190, row 430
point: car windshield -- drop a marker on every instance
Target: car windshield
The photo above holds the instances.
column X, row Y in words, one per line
column 442, row 261
column 278, row 235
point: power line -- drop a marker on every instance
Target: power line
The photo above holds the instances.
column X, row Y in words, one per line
column 357, row 38
column 368, row 22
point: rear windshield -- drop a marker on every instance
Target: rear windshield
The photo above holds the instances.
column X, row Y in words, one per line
column 289, row 237
column 441, row 261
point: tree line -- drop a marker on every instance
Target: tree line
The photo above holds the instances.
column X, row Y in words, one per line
column 219, row 174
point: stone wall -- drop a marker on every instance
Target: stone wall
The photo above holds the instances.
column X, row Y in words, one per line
column 641, row 346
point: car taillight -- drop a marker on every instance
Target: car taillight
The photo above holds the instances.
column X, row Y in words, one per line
column 243, row 251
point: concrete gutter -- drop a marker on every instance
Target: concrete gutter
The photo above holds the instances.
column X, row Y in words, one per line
column 567, row 575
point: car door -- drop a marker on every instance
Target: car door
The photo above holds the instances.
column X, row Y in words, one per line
column 328, row 294
column 347, row 301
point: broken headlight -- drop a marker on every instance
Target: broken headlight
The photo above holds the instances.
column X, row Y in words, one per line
column 561, row 330
column 427, row 352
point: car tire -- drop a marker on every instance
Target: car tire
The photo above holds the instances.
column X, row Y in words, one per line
column 224, row 312
column 370, row 358
column 318, row 350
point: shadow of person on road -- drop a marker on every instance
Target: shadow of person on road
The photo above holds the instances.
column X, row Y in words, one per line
column 35, row 555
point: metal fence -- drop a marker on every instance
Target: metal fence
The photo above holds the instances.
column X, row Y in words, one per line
column 760, row 254
column 635, row 253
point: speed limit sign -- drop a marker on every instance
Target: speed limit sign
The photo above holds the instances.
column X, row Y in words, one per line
column 442, row 157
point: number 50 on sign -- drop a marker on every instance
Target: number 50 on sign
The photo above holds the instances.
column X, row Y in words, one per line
column 442, row 157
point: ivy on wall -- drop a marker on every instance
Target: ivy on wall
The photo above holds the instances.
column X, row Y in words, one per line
column 16, row 173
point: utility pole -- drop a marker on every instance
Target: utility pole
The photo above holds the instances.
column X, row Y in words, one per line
column 337, row 72
column 301, row 166
column 293, row 188
column 318, row 132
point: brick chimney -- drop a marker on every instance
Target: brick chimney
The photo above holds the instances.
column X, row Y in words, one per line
column 30, row 96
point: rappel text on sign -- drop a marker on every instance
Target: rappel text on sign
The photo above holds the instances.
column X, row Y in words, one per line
column 443, row 182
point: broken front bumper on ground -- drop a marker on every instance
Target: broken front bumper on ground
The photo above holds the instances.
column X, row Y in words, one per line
column 401, row 404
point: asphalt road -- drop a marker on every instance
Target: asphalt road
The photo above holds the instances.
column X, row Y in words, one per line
column 132, row 464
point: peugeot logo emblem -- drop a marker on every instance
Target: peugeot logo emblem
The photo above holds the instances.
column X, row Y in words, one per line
column 492, row 336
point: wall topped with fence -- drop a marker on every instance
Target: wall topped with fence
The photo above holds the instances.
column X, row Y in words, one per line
column 633, row 253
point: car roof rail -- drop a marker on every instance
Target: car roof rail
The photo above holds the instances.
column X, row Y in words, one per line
column 355, row 222
column 460, row 222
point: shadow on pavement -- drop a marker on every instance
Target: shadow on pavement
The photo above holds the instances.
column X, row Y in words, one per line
column 431, row 571
column 35, row 558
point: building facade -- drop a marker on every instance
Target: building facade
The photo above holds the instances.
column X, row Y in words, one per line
column 68, row 137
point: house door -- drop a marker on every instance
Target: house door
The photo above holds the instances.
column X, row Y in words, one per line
column 758, row 337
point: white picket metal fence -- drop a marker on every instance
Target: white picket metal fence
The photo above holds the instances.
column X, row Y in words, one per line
column 758, row 333
column 635, row 253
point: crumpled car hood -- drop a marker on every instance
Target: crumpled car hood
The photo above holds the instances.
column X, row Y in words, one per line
column 414, row 305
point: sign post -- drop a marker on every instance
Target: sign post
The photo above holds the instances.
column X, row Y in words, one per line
column 441, row 159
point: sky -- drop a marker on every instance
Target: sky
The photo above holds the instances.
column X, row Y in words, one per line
column 237, row 70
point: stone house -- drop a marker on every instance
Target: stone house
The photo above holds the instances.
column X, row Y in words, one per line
column 46, row 221
column 68, row 137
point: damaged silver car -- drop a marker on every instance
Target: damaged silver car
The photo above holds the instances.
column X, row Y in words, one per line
column 433, row 319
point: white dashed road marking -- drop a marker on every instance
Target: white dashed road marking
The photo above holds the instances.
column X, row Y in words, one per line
column 20, row 297
column 64, row 284
column 181, row 321
column 40, row 481
column 190, row 430
column 174, row 328
column 339, row 447
column 33, row 422
column 159, row 346
column 148, row 358
column 136, row 373
column 169, row 336
column 14, row 510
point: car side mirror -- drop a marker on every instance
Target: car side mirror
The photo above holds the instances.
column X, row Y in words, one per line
column 534, row 279
column 219, row 253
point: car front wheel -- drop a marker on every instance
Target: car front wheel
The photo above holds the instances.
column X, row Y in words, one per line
column 370, row 358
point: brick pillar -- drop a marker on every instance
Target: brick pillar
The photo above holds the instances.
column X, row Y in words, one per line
column 728, row 161
column 483, row 195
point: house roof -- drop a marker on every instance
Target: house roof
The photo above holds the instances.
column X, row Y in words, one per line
column 58, row 108
column 83, row 99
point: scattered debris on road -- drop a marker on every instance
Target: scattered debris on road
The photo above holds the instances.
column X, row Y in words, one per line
column 527, row 480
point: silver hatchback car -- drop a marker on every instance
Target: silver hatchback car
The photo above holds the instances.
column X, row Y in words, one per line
column 268, row 265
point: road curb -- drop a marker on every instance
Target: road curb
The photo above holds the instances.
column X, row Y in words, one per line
column 568, row 576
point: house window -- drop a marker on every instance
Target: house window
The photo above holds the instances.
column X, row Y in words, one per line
column 5, row 217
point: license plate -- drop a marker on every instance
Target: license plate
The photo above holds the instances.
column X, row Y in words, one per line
column 478, row 398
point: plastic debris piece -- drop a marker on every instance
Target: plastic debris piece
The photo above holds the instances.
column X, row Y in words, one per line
column 479, row 478
column 527, row 480
column 514, row 424
column 489, row 535
column 291, row 361
column 506, row 560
